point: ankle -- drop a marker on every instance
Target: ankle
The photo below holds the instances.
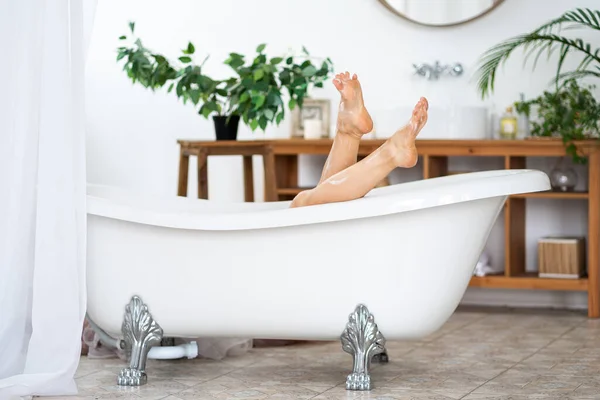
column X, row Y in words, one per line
column 347, row 132
column 390, row 152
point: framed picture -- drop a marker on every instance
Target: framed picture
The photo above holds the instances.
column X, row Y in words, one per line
column 312, row 109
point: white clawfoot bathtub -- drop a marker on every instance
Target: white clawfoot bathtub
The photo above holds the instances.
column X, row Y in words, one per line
column 263, row 270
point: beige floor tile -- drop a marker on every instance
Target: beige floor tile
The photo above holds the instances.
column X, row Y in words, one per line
column 516, row 383
column 483, row 354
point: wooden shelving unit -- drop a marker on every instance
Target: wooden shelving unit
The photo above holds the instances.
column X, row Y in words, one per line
column 434, row 156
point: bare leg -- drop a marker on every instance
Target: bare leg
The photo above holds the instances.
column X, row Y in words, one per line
column 357, row 180
column 353, row 121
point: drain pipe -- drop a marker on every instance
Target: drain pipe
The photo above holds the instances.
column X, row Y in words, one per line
column 188, row 350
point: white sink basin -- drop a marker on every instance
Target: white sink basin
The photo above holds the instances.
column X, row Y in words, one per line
column 452, row 122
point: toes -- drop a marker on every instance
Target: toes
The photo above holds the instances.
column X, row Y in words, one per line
column 354, row 77
column 338, row 84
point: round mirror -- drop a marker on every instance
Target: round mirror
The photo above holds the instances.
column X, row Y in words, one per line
column 440, row 12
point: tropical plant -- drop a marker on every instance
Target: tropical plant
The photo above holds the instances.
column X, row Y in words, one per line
column 546, row 38
column 255, row 92
column 571, row 113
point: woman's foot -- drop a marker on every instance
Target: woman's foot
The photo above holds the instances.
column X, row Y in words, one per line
column 403, row 146
column 353, row 118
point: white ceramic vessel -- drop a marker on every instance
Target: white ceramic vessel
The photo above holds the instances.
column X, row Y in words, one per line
column 444, row 122
column 263, row 270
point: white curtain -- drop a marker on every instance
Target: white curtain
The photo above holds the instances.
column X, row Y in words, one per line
column 42, row 193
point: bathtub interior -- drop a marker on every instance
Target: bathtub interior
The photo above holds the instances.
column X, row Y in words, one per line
column 175, row 204
column 185, row 213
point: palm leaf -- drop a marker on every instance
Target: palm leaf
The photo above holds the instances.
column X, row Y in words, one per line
column 573, row 19
column 496, row 56
column 572, row 75
column 541, row 41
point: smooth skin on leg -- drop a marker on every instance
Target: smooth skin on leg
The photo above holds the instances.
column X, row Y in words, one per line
column 399, row 151
column 353, row 122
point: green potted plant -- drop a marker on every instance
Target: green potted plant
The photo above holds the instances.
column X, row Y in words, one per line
column 570, row 112
column 254, row 94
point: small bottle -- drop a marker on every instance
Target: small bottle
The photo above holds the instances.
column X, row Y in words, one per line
column 523, row 127
column 508, row 124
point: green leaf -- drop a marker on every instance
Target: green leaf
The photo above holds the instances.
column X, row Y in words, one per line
column 269, row 114
column 122, row 37
column 244, row 97
column 276, row 60
column 262, row 122
column 309, row 71
column 195, row 95
column 289, row 60
column 260, row 100
column 121, row 55
column 254, row 124
column 279, row 118
column 274, row 99
column 170, row 87
column 260, row 48
column 258, row 74
column 285, row 77
column 185, row 59
column 292, row 104
column 213, row 106
column 204, row 111
column 304, row 50
column 248, row 83
column 235, row 61
column 132, row 26
column 190, row 49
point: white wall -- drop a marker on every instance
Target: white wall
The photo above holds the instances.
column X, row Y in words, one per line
column 133, row 132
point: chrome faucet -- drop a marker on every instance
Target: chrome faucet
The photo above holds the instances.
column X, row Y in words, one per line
column 433, row 72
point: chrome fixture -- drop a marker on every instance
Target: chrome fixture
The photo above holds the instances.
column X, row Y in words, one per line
column 433, row 72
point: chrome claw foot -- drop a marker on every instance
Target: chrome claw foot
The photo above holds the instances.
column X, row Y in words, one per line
column 358, row 382
column 141, row 332
column 381, row 358
column 363, row 340
column 131, row 377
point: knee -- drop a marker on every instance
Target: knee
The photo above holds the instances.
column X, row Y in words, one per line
column 301, row 199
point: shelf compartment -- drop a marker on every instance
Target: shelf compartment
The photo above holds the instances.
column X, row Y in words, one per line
column 529, row 281
column 553, row 195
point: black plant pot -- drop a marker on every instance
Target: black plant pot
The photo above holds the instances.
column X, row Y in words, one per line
column 226, row 129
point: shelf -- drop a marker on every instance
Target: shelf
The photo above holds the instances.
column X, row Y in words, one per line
column 553, row 195
column 291, row 191
column 529, row 281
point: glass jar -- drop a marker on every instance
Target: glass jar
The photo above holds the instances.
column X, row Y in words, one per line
column 563, row 178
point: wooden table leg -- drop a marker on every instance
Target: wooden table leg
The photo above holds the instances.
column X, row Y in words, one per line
column 434, row 166
column 248, row 179
column 270, row 177
column 202, row 174
column 184, row 165
column 594, row 235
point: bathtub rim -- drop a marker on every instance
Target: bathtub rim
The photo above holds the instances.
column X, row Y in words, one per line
column 432, row 192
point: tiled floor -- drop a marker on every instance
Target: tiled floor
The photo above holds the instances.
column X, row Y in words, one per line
column 489, row 354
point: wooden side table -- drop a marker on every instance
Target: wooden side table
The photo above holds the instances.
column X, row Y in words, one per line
column 202, row 150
